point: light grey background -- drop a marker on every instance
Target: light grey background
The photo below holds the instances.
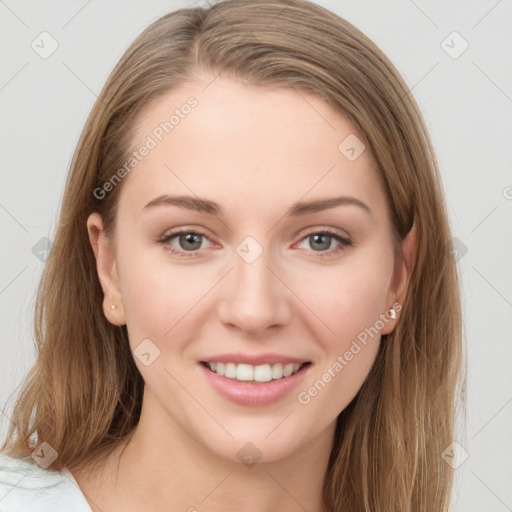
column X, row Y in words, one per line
column 467, row 104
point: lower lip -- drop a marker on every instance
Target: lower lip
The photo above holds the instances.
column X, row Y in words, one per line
column 254, row 393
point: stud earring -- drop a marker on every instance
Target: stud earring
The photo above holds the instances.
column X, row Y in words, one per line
column 113, row 306
column 392, row 313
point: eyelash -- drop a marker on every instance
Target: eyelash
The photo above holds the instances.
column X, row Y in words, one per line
column 164, row 240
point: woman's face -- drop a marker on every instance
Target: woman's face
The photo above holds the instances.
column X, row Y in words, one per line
column 254, row 230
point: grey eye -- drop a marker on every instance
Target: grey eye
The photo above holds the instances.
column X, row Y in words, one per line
column 189, row 241
column 320, row 241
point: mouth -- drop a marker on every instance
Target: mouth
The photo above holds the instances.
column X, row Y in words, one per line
column 250, row 385
column 263, row 373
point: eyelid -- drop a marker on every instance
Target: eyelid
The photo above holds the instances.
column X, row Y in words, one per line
column 164, row 240
column 344, row 240
column 326, row 230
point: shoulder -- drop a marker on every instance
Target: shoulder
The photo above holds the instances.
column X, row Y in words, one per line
column 24, row 485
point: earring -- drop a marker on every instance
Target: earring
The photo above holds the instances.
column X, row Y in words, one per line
column 392, row 313
column 113, row 306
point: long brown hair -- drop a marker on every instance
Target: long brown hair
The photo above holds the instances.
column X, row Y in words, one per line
column 84, row 393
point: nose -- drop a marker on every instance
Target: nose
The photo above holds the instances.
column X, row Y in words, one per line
column 253, row 298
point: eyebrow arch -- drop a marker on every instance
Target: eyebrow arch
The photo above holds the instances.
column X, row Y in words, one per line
column 297, row 209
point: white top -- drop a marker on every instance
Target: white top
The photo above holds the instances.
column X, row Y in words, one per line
column 26, row 486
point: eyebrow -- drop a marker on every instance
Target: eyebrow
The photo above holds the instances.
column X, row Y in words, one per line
column 297, row 209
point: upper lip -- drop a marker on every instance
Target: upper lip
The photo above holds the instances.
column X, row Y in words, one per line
column 254, row 360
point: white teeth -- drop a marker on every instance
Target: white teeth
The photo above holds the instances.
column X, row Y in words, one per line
column 244, row 372
column 230, row 371
column 288, row 369
column 277, row 371
column 261, row 373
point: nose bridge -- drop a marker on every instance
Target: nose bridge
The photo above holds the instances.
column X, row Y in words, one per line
column 253, row 299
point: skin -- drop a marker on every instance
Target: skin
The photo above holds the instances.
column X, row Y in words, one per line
column 255, row 152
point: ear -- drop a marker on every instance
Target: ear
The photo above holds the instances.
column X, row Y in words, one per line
column 107, row 270
column 402, row 272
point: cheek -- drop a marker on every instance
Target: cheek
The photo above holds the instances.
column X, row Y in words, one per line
column 347, row 300
column 349, row 303
column 156, row 293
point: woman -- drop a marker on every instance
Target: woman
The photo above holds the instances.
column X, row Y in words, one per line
column 251, row 288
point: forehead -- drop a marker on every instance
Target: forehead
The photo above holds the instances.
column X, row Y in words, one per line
column 249, row 146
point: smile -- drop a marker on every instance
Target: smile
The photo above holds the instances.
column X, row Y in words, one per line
column 247, row 372
column 254, row 385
